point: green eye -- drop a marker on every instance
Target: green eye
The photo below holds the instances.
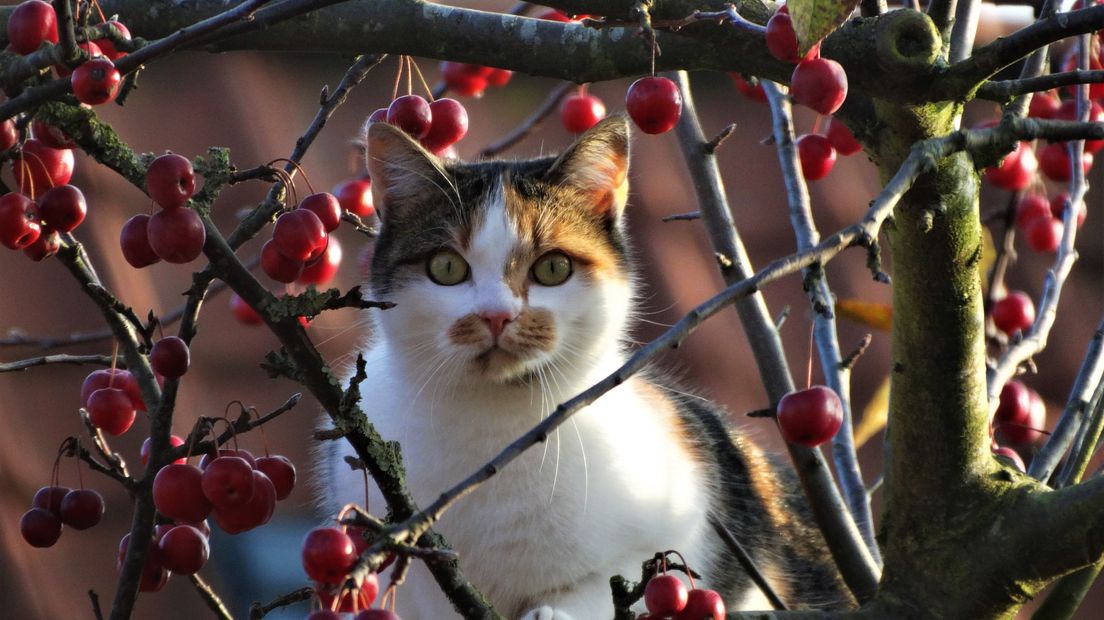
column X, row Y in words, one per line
column 552, row 269
column 447, row 268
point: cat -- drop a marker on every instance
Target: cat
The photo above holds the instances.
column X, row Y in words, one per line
column 514, row 291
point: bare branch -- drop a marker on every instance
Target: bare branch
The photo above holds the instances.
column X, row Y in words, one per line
column 1004, row 89
column 102, row 360
column 214, row 603
column 531, row 122
column 747, row 563
column 837, row 376
column 258, row 611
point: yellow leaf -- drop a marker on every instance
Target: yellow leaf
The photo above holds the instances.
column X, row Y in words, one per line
column 988, row 257
column 874, row 415
column 815, row 19
column 878, row 316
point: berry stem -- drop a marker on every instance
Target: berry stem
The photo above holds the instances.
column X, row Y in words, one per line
column 297, row 167
column 421, row 78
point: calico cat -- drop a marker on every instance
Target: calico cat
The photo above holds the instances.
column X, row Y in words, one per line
column 514, row 289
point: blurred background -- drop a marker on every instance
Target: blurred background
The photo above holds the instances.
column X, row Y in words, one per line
column 257, row 105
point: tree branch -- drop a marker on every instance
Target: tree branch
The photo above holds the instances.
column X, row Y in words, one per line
column 837, row 376
column 102, row 360
column 1002, row 90
column 531, row 122
column 214, row 603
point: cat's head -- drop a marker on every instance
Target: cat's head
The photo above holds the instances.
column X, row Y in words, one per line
column 502, row 271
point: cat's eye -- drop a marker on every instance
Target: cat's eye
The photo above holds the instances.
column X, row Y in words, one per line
column 447, row 268
column 552, row 269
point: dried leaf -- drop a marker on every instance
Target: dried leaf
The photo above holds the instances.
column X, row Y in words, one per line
column 874, row 415
column 876, row 315
column 815, row 19
column 988, row 257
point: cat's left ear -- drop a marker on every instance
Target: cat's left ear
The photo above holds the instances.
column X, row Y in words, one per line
column 598, row 164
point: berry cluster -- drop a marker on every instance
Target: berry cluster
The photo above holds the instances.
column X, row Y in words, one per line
column 667, row 598
column 817, row 83
column 811, row 416
column 174, row 234
column 112, row 398
column 329, row 553
column 95, row 80
column 472, row 80
column 55, row 506
column 437, row 125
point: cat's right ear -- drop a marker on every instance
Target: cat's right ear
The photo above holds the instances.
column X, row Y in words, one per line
column 402, row 171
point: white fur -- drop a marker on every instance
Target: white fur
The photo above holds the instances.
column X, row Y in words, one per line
column 542, row 538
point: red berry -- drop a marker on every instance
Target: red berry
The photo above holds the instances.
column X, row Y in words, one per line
column 1011, row 455
column 754, row 91
column 781, row 38
column 134, row 241
column 665, row 594
column 40, row 528
column 1054, row 161
column 228, row 482
column 91, row 51
column 243, row 312
column 50, row 136
column 355, row 196
column 277, row 266
column 298, row 234
column 328, row 554
column 554, row 15
column 39, row 167
column 117, row 378
column 817, row 156
column 820, row 84
column 1044, row 234
column 326, row 206
column 19, row 226
column 1027, row 427
column 450, row 124
column 841, row 138
column 9, row 136
column 96, row 81
column 464, row 79
column 1015, row 312
column 170, row 357
column 63, row 208
column 581, row 111
column 108, row 46
column 281, row 472
column 1030, row 208
column 1016, row 171
column 184, row 549
column 703, row 605
column 50, row 498
column 379, row 115
column 257, row 511
column 810, row 417
column 170, row 180
column 1070, row 62
column 111, row 410
column 178, row 493
column 1014, row 408
column 30, row 25
column 176, row 235
column 81, row 508
column 499, row 77
column 47, row 245
column 323, row 270
column 1044, row 105
column 654, row 104
column 1058, row 208
column 154, row 574
column 174, row 441
column 411, row 114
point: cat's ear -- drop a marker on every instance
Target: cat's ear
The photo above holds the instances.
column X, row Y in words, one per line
column 598, row 164
column 402, row 171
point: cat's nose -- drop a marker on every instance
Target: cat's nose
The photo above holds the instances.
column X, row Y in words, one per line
column 496, row 320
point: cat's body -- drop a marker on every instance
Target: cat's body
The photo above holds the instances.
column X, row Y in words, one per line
column 513, row 294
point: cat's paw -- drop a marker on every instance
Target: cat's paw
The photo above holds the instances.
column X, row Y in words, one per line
column 547, row 613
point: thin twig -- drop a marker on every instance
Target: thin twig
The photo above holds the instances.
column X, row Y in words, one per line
column 116, row 467
column 682, row 217
column 747, row 563
column 102, row 360
column 964, row 29
column 836, row 374
column 194, row 443
column 95, row 600
column 849, row 362
column 1076, row 410
column 531, row 122
column 716, row 141
column 258, row 611
column 1004, row 89
column 214, row 603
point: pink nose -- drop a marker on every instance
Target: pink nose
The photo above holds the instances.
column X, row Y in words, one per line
column 496, row 321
